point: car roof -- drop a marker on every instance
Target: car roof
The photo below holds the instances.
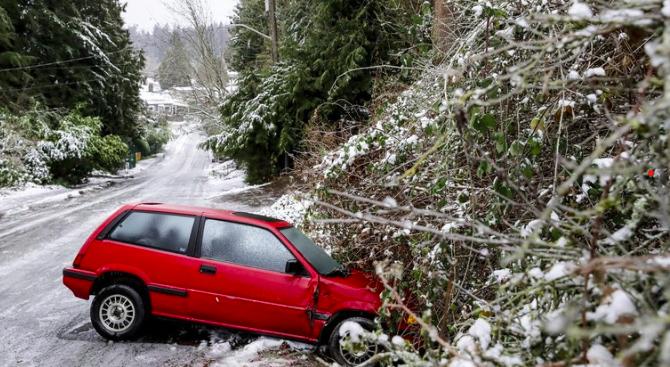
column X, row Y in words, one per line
column 236, row 216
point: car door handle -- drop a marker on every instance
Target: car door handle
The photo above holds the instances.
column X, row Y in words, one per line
column 207, row 269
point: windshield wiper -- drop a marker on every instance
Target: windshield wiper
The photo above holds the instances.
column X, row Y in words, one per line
column 340, row 270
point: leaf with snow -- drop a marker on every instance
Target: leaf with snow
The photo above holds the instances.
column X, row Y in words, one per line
column 622, row 234
column 481, row 331
column 580, row 11
column 502, row 275
column 594, row 72
column 614, row 306
column 559, row 270
column 353, row 330
column 533, row 226
column 599, row 355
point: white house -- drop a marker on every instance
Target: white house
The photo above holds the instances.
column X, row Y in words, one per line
column 159, row 101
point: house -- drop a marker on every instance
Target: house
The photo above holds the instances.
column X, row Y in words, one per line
column 161, row 102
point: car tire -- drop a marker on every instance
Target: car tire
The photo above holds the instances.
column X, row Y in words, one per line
column 344, row 357
column 118, row 312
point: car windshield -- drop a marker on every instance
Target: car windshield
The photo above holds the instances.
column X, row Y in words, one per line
column 316, row 256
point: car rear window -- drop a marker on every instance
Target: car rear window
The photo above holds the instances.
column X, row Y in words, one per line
column 157, row 230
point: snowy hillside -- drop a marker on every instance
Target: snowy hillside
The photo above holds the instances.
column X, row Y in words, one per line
column 516, row 190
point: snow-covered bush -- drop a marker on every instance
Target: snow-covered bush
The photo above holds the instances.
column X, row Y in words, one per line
column 519, row 190
column 290, row 207
column 153, row 135
column 40, row 147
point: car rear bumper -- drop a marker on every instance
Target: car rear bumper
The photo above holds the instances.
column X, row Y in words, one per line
column 79, row 281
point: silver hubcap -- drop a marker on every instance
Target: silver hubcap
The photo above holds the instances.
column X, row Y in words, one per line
column 117, row 313
column 359, row 352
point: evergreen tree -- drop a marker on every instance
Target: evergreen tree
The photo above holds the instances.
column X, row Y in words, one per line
column 79, row 52
column 11, row 61
column 69, row 77
column 248, row 50
column 175, row 68
column 327, row 47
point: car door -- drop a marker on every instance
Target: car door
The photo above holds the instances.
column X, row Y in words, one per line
column 241, row 281
column 156, row 247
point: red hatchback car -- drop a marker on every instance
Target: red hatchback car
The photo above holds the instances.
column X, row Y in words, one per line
column 217, row 267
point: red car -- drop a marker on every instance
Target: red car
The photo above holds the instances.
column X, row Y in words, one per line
column 222, row 268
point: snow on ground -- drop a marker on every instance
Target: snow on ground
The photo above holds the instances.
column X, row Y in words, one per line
column 254, row 354
column 226, row 175
column 13, row 197
column 17, row 199
column 142, row 165
column 43, row 324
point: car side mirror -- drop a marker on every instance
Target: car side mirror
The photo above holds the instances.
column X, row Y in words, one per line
column 294, row 267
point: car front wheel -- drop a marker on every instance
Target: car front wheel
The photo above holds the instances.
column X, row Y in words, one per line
column 349, row 348
column 117, row 312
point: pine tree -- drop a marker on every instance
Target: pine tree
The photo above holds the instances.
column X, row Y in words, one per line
column 327, row 47
column 175, row 68
column 249, row 51
column 12, row 60
column 79, row 53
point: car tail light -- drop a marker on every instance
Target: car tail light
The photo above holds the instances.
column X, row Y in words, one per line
column 77, row 260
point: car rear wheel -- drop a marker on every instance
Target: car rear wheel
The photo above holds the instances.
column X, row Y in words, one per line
column 118, row 312
column 356, row 352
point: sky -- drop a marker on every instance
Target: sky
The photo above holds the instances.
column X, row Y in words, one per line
column 146, row 13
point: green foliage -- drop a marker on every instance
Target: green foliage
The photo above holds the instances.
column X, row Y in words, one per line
column 69, row 87
column 531, row 214
column 484, row 123
column 174, row 70
column 9, row 57
column 248, row 51
column 153, row 136
column 45, row 147
column 327, row 48
column 75, row 148
column 71, row 52
column 156, row 139
column 107, row 153
column 10, row 173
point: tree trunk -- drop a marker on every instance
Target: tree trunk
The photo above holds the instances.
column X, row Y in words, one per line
column 443, row 24
column 272, row 19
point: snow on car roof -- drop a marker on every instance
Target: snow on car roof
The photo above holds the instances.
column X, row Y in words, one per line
column 215, row 213
column 257, row 216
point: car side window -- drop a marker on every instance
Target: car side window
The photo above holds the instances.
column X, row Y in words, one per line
column 243, row 245
column 162, row 231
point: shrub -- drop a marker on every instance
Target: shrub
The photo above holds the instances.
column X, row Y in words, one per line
column 107, row 153
column 153, row 136
column 44, row 146
column 519, row 190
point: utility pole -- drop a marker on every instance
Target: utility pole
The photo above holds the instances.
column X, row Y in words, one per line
column 271, row 8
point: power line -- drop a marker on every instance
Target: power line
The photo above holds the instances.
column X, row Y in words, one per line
column 82, row 67
column 60, row 61
column 52, row 85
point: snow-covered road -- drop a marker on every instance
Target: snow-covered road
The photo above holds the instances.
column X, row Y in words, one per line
column 43, row 324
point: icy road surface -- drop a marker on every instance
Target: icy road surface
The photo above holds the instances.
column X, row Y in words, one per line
column 41, row 230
